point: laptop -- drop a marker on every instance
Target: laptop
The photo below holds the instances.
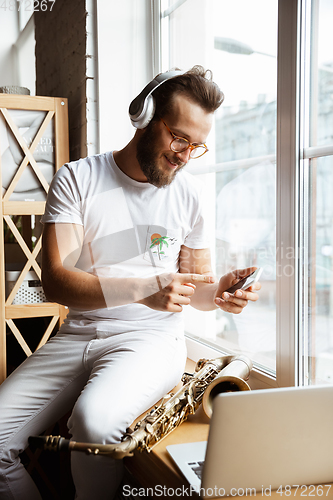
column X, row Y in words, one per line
column 261, row 440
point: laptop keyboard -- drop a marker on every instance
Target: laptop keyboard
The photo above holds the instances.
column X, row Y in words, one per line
column 197, row 467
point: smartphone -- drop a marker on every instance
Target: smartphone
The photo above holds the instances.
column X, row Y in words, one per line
column 246, row 282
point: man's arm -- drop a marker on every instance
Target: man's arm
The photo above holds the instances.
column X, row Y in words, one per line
column 66, row 284
column 62, row 281
column 207, row 298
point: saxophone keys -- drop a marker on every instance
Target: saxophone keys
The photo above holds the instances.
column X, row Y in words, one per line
column 151, row 419
column 92, row 452
column 149, row 428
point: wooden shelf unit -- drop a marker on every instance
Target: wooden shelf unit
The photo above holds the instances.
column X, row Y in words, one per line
column 56, row 113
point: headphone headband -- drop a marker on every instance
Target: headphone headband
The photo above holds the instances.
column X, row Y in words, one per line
column 142, row 108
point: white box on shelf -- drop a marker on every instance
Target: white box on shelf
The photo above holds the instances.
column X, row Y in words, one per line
column 30, row 291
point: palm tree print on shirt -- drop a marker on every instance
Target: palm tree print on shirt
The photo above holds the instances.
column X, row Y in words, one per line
column 159, row 241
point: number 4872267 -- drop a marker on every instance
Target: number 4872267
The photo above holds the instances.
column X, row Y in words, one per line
column 27, row 5
column 311, row 490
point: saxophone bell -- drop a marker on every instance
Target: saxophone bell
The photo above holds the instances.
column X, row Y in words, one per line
column 230, row 379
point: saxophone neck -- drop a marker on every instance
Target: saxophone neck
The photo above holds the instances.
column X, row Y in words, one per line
column 223, row 361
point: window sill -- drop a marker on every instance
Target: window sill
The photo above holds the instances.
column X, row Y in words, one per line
column 197, row 350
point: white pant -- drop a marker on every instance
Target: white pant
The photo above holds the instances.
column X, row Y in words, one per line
column 109, row 380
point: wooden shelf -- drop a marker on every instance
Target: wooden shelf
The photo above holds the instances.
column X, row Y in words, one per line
column 23, row 207
column 56, row 115
column 16, row 311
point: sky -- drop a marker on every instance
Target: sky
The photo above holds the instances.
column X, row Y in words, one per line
column 246, row 77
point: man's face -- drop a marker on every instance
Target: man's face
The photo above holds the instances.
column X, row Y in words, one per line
column 186, row 119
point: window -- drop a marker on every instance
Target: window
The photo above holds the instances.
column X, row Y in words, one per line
column 270, row 169
column 269, row 165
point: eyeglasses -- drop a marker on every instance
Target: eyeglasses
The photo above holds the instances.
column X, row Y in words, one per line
column 179, row 145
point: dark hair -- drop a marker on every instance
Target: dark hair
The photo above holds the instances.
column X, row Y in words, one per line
column 196, row 84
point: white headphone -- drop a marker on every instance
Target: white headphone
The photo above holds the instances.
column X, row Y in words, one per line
column 142, row 108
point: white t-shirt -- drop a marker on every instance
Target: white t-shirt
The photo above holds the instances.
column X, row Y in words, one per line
column 131, row 229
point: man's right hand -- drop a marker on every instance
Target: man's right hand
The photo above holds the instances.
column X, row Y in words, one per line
column 175, row 291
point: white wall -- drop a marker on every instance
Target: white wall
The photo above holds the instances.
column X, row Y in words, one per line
column 25, row 53
column 125, row 65
column 8, row 36
column 17, row 52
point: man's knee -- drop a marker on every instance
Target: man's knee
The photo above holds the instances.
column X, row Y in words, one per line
column 96, row 424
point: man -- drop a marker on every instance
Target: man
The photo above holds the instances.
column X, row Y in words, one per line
column 124, row 247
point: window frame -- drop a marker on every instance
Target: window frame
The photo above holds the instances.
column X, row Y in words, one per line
column 288, row 201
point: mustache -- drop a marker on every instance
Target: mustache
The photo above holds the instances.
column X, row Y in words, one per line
column 176, row 160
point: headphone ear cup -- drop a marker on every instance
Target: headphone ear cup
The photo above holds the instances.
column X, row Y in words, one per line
column 146, row 115
column 142, row 108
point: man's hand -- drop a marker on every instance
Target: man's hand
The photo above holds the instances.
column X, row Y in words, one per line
column 176, row 294
column 234, row 303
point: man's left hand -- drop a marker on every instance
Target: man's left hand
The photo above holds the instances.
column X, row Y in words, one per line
column 235, row 303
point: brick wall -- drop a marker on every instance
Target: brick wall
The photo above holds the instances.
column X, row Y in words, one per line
column 61, row 64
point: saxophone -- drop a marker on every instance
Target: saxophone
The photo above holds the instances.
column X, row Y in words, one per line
column 211, row 377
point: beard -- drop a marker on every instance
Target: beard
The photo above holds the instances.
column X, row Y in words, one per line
column 147, row 156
